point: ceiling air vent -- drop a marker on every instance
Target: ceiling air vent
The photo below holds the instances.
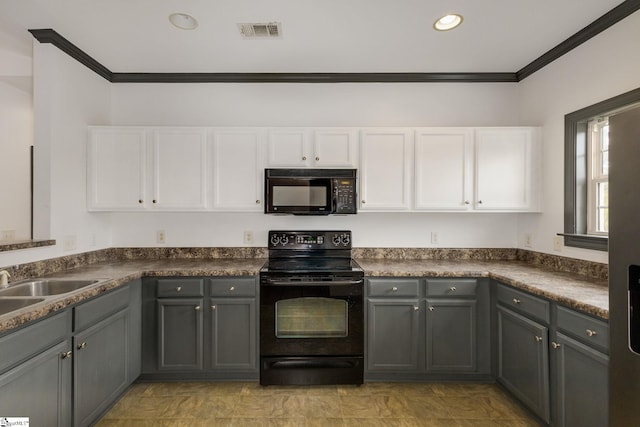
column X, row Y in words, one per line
column 260, row 30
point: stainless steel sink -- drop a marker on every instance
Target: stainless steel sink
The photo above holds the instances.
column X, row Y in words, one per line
column 45, row 287
column 11, row 304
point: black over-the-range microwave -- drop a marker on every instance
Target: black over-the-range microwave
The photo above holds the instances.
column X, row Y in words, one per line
column 310, row 191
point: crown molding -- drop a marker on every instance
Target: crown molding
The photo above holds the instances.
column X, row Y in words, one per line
column 607, row 20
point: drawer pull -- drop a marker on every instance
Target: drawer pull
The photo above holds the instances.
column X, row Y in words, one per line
column 196, row 308
column 452, row 289
column 213, row 307
column 555, row 345
column 233, row 288
column 394, row 289
column 82, row 346
column 516, row 301
column 591, row 333
column 416, row 308
column 431, row 308
column 66, row 354
column 538, row 338
column 179, row 288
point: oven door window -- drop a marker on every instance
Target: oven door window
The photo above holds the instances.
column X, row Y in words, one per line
column 312, row 317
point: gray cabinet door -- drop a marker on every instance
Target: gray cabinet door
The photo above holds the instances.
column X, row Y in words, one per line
column 180, row 334
column 233, row 334
column 523, row 360
column 392, row 335
column 451, row 335
column 100, row 367
column 581, row 383
column 39, row 388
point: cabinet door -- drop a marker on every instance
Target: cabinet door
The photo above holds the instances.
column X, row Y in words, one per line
column 179, row 169
column 180, row 334
column 100, row 367
column 335, row 148
column 288, row 148
column 581, row 383
column 134, row 332
column 39, row 388
column 385, row 168
column 506, row 169
column 233, row 334
column 238, row 170
column 451, row 335
column 116, row 169
column 443, row 169
column 523, row 360
column 392, row 335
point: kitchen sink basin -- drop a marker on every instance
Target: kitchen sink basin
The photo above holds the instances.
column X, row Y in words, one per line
column 45, row 287
column 12, row 304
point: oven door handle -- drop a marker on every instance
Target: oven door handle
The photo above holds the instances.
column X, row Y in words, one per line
column 315, row 283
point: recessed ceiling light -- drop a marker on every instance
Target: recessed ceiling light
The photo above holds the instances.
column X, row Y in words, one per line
column 448, row 22
column 183, row 21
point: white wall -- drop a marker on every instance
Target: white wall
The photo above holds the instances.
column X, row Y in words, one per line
column 316, row 105
column 605, row 66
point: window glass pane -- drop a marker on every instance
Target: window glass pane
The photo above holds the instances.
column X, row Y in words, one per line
column 604, row 148
column 603, row 207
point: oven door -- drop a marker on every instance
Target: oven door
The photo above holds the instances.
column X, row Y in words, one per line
column 320, row 319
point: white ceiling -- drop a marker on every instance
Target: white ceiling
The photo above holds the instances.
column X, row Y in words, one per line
column 317, row 35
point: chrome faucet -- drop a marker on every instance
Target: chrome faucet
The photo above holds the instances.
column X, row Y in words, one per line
column 4, row 278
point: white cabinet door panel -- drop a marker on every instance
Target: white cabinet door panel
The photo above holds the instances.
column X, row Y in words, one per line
column 287, row 148
column 335, row 148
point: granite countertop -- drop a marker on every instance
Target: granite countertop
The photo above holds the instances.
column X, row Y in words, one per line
column 589, row 295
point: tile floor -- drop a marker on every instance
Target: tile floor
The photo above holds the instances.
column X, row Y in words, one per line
column 372, row 404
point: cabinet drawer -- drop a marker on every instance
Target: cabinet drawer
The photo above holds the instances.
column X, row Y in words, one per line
column 393, row 287
column 26, row 342
column 524, row 303
column 451, row 287
column 180, row 288
column 245, row 287
column 88, row 313
column 584, row 328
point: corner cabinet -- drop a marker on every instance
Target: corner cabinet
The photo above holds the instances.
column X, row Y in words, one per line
column 135, row 168
column 200, row 328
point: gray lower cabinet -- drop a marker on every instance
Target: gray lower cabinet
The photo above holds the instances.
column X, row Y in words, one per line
column 200, row 328
column 451, row 335
column 580, row 380
column 35, row 372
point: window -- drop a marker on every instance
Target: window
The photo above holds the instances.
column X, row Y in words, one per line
column 586, row 183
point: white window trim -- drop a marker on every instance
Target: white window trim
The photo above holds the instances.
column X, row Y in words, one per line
column 593, row 173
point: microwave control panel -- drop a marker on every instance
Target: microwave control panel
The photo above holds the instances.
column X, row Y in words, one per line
column 345, row 195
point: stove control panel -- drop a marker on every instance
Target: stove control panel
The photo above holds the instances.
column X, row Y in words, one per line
column 310, row 239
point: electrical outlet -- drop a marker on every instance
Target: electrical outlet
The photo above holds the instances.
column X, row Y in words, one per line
column 527, row 240
column 557, row 243
column 248, row 236
column 161, row 236
column 8, row 235
column 69, row 243
column 434, row 237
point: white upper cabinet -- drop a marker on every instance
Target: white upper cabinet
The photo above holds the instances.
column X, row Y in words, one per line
column 308, row 147
column 132, row 168
column 179, row 168
column 507, row 169
column 116, row 169
column 443, row 161
column 385, row 169
column 238, row 169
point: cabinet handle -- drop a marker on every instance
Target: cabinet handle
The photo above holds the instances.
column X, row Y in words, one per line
column 479, row 202
column 555, row 345
column 66, row 354
column 233, row 288
column 431, row 308
column 516, row 301
column 140, row 201
column 466, row 202
column 257, row 202
column 416, row 308
column 394, row 289
column 196, row 308
column 452, row 289
column 591, row 333
column 178, row 289
column 317, row 158
column 154, row 201
column 538, row 339
column 304, row 157
column 82, row 346
column 213, row 307
column 363, row 202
